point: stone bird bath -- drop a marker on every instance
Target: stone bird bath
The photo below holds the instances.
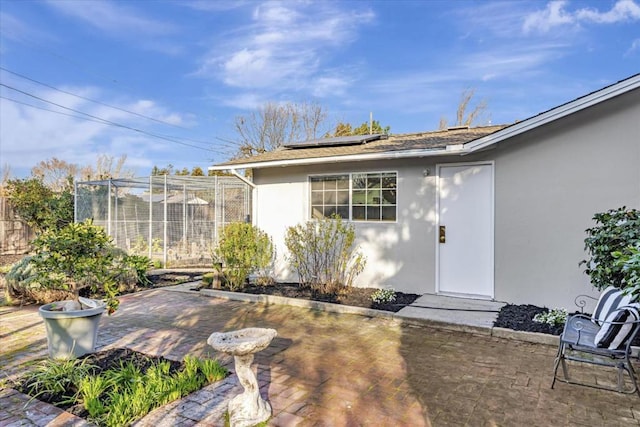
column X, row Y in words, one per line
column 247, row 408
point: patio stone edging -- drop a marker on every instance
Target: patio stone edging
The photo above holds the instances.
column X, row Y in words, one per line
column 532, row 337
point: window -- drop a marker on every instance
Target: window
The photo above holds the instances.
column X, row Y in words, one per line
column 358, row 196
column 330, row 195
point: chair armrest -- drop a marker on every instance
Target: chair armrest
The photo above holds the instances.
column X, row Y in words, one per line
column 579, row 329
column 581, row 301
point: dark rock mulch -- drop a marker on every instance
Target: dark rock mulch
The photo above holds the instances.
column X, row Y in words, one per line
column 357, row 297
column 520, row 318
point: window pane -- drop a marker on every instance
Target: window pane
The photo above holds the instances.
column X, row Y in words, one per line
column 343, row 183
column 388, row 197
column 343, row 197
column 357, row 213
column 359, row 197
column 373, row 197
column 389, row 180
column 343, row 211
column 316, row 212
column 316, row 197
column 388, row 213
column 359, row 180
column 330, row 197
column 329, row 210
column 373, row 181
column 316, row 184
column 373, row 213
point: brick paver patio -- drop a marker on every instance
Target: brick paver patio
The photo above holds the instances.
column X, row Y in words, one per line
column 329, row 369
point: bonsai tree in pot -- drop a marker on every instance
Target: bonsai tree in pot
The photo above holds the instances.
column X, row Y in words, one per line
column 76, row 257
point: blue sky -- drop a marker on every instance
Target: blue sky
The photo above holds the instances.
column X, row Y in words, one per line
column 188, row 68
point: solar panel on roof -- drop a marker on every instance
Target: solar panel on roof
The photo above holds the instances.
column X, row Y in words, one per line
column 336, row 141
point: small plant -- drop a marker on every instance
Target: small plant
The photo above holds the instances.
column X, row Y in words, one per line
column 553, row 317
column 616, row 231
column 322, row 253
column 57, row 378
column 382, row 296
column 243, row 249
column 120, row 395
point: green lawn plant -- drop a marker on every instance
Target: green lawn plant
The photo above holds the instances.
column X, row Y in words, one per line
column 243, row 249
column 121, row 395
column 613, row 238
column 322, row 253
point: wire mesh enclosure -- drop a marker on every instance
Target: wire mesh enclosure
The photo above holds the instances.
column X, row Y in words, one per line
column 175, row 219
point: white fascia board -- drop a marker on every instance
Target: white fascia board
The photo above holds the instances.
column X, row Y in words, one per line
column 554, row 114
column 387, row 155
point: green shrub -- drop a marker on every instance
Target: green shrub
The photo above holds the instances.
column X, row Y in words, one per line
column 616, row 231
column 322, row 253
column 383, row 296
column 39, row 206
column 554, row 317
column 629, row 263
column 243, row 249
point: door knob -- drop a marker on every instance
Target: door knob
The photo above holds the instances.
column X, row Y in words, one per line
column 442, row 234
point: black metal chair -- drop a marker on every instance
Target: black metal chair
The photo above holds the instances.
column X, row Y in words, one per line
column 581, row 342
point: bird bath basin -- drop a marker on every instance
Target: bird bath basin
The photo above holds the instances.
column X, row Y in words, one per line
column 247, row 408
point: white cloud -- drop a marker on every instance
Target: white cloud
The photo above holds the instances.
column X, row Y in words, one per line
column 556, row 15
column 553, row 16
column 635, row 47
column 29, row 135
column 284, row 47
column 111, row 17
column 622, row 11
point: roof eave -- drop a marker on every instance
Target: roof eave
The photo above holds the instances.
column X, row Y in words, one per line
column 386, row 155
column 554, row 114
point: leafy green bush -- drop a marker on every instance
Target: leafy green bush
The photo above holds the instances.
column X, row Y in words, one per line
column 77, row 256
column 616, row 231
column 243, row 249
column 322, row 253
column 38, row 205
column 629, row 263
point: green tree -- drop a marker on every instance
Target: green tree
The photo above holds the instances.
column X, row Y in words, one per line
column 197, row 171
column 40, row 206
column 366, row 128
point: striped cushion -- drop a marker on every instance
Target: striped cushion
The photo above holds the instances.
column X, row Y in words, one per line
column 610, row 299
column 615, row 336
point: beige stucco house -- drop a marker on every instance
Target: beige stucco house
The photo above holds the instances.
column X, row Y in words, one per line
column 494, row 212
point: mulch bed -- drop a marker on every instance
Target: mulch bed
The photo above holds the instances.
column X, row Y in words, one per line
column 520, row 318
column 357, row 297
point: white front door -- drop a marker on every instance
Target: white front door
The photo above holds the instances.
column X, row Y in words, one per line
column 465, row 230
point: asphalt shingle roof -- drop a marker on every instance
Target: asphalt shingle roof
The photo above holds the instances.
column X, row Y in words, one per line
column 435, row 140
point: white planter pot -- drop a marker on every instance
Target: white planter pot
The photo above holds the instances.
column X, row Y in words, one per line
column 71, row 333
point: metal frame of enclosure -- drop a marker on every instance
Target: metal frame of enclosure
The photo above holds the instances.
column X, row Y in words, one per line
column 175, row 219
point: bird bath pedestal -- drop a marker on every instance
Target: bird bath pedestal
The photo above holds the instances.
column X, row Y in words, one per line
column 248, row 408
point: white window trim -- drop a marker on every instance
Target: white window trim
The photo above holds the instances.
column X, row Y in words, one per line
column 350, row 175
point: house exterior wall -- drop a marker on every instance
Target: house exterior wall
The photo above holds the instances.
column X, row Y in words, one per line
column 548, row 184
column 399, row 255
